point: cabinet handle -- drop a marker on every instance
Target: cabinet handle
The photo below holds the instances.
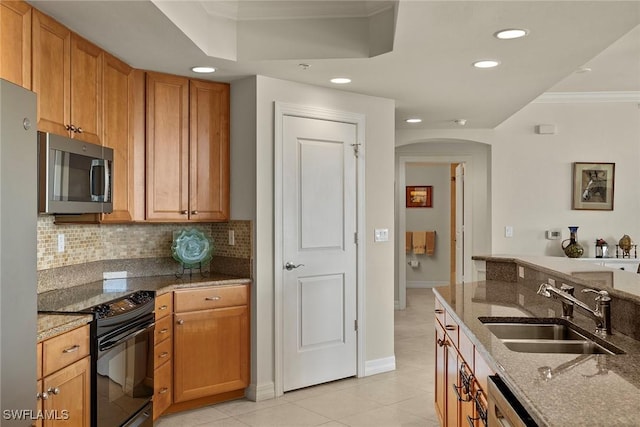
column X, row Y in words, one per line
column 71, row 349
column 194, row 212
column 70, row 127
column 216, row 298
column 163, row 390
column 42, row 396
column 450, row 328
column 180, row 322
column 442, row 343
column 184, row 212
column 163, row 354
column 79, row 130
column 439, row 311
column 53, row 390
column 163, row 307
column 163, row 331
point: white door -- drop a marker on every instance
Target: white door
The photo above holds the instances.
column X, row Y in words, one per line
column 319, row 226
column 460, row 223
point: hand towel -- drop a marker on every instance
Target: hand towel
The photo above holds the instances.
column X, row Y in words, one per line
column 430, row 242
column 407, row 241
column 419, row 239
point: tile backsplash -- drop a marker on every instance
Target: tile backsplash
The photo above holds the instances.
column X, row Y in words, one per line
column 84, row 243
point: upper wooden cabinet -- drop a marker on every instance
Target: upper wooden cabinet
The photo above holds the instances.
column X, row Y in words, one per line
column 67, row 76
column 116, row 122
column 187, row 149
column 15, row 42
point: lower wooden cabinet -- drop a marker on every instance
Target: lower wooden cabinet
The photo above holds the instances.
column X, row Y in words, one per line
column 163, row 355
column 211, row 342
column 163, row 389
column 63, row 390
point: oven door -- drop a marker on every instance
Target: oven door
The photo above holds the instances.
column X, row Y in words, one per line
column 124, row 373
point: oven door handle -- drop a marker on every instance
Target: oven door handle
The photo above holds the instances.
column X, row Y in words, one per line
column 110, row 344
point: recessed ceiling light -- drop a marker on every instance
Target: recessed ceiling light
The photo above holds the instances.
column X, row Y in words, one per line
column 511, row 33
column 486, row 63
column 340, row 80
column 414, row 120
column 203, row 70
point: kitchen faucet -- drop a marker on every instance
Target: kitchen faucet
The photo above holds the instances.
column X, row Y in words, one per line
column 601, row 314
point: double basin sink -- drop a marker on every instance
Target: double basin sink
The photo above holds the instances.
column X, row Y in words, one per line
column 546, row 335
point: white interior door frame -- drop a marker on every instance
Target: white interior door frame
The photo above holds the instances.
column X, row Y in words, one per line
column 402, row 220
column 285, row 109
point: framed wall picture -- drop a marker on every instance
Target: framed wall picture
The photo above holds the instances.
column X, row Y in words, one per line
column 419, row 196
column 593, row 185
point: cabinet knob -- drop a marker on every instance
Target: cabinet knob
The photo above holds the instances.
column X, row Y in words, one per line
column 184, row 212
column 180, row 322
column 54, row 390
column 79, row 130
column 72, row 128
column 163, row 390
column 194, row 212
column 42, row 396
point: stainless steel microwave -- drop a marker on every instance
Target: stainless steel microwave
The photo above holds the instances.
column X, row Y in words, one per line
column 74, row 177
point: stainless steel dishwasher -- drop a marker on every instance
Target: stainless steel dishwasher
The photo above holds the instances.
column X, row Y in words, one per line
column 504, row 409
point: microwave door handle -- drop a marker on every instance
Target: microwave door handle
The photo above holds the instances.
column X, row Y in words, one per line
column 107, row 178
column 102, row 196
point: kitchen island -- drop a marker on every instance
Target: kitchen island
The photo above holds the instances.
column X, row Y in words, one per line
column 556, row 389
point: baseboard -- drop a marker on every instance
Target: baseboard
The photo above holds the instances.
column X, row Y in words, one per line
column 378, row 366
column 260, row 392
column 426, row 284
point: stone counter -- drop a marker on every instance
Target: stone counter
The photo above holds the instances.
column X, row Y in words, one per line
column 558, row 390
column 50, row 325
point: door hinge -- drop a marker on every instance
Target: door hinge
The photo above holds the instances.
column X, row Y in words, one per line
column 355, row 325
column 356, row 149
column 355, row 237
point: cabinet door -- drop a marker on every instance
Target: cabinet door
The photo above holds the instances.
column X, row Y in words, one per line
column 211, row 352
column 441, row 373
column 167, row 148
column 86, row 90
column 15, row 42
column 209, row 151
column 162, row 389
column 453, row 408
column 51, row 73
column 70, row 395
column 117, row 115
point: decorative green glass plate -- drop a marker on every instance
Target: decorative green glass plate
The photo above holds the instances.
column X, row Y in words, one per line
column 191, row 247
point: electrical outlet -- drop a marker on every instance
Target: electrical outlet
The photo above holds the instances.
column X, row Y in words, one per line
column 508, row 231
column 232, row 237
column 60, row 242
column 381, row 234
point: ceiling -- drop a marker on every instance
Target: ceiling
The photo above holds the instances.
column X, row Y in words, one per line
column 417, row 52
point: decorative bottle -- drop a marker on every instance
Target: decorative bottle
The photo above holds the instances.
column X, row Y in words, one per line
column 573, row 249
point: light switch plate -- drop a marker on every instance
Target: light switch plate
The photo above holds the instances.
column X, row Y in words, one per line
column 381, row 235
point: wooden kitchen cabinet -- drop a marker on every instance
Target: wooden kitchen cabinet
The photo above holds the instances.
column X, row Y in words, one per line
column 67, row 76
column 211, row 342
column 163, row 355
column 15, row 42
column 117, row 119
column 460, row 374
column 64, row 379
column 187, row 149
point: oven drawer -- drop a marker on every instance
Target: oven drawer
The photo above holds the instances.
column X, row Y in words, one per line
column 164, row 305
column 162, row 352
column 163, row 329
column 63, row 350
column 212, row 297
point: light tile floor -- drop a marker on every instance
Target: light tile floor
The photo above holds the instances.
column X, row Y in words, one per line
column 403, row 397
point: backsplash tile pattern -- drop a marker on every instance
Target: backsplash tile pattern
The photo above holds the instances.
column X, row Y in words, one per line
column 95, row 242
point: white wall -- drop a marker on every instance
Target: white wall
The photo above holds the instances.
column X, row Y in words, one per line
column 379, row 208
column 530, row 174
column 433, row 268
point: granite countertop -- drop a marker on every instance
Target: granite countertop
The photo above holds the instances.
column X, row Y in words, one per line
column 80, row 297
column 556, row 389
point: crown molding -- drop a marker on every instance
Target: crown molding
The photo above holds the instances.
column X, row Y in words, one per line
column 577, row 97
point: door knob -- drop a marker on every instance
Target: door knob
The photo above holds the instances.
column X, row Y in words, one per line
column 290, row 266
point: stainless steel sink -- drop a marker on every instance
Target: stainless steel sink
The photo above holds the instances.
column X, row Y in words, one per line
column 551, row 335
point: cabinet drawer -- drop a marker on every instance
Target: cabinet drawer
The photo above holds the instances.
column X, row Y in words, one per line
column 213, row 297
column 451, row 328
column 164, row 305
column 439, row 311
column 163, row 329
column 162, row 389
column 162, row 352
column 65, row 349
column 466, row 348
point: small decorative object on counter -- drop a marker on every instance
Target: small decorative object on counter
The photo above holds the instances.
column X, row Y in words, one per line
column 602, row 248
column 191, row 248
column 625, row 245
column 572, row 249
